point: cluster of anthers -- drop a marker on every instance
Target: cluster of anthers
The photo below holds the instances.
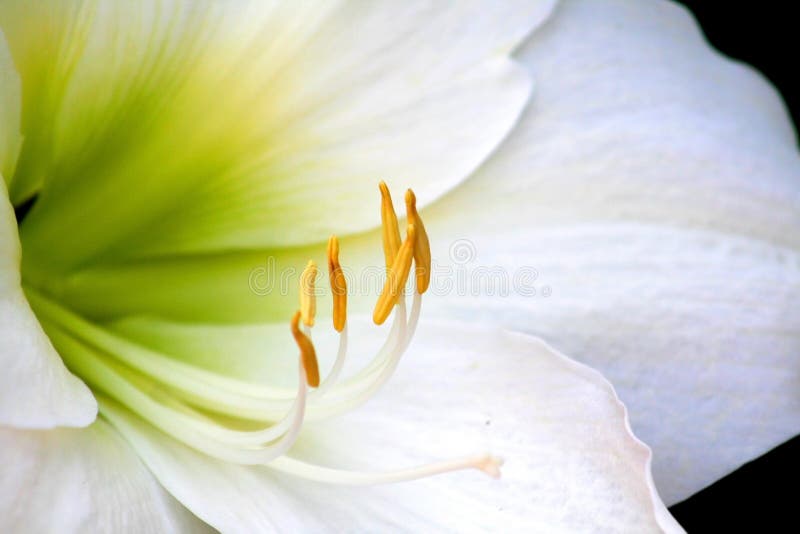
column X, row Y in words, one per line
column 217, row 415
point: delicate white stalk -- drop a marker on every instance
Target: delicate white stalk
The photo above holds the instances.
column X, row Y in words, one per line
column 336, row 370
column 413, row 319
column 210, row 441
column 204, row 388
column 359, row 389
column 398, row 324
column 484, row 462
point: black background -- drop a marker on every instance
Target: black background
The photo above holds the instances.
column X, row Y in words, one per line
column 763, row 34
column 762, row 496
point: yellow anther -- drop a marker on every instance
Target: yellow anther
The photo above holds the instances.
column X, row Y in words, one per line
column 422, row 247
column 338, row 285
column 391, row 232
column 396, row 278
column 308, row 356
column 308, row 300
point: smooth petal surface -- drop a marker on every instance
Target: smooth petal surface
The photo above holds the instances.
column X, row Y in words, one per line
column 85, row 480
column 256, row 116
column 36, row 390
column 10, row 104
column 432, row 93
column 572, row 464
column 263, row 353
column 652, row 187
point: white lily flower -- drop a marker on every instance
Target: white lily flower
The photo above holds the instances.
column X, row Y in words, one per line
column 168, row 147
column 671, row 212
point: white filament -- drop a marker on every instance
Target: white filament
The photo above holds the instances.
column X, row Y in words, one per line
column 338, row 365
column 241, row 447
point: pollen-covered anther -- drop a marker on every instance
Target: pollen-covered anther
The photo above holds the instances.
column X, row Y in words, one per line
column 338, row 285
column 422, row 246
column 391, row 231
column 396, row 278
column 308, row 299
column 308, row 356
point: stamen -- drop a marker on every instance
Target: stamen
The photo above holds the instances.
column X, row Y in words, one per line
column 396, row 278
column 422, row 247
column 338, row 285
column 308, row 299
column 391, row 232
column 210, row 412
column 307, row 353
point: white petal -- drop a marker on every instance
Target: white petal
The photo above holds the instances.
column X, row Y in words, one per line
column 698, row 330
column 636, row 118
column 36, row 390
column 432, row 142
column 654, row 188
column 10, row 104
column 572, row 463
column 85, row 480
column 301, row 106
